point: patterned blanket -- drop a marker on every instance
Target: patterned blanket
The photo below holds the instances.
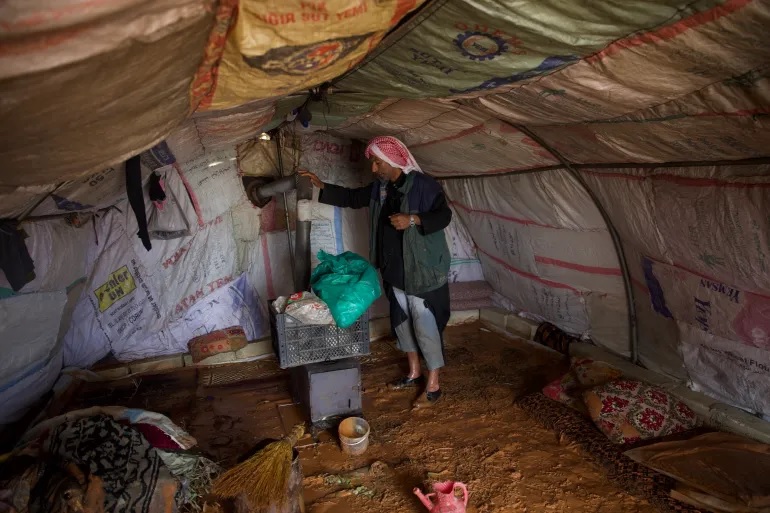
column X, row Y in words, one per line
column 71, row 456
column 134, row 476
column 622, row 470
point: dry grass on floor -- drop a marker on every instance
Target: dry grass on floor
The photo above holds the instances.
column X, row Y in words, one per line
column 474, row 435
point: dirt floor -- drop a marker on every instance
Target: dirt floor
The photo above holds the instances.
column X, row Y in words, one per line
column 474, row 435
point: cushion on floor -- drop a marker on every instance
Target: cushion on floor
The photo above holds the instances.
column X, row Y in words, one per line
column 628, row 410
column 572, row 428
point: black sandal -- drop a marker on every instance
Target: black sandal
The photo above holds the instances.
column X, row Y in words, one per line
column 406, row 382
column 427, row 399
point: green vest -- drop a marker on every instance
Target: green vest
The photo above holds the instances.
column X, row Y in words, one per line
column 426, row 257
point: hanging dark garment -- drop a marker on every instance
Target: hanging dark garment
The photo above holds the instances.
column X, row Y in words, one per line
column 15, row 261
column 156, row 188
column 136, row 198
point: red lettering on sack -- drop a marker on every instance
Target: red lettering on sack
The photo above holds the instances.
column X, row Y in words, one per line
column 221, row 282
column 277, row 18
column 188, row 301
column 314, row 16
column 352, row 11
column 210, row 287
column 327, row 147
column 313, row 6
column 174, row 259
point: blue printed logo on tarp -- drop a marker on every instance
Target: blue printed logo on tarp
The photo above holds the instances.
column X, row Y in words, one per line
column 656, row 291
column 548, row 64
column 68, row 205
column 158, row 156
column 480, row 46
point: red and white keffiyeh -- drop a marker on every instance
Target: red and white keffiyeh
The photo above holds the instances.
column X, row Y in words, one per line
column 394, row 152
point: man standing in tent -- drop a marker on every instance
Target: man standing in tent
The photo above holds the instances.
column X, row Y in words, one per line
column 408, row 215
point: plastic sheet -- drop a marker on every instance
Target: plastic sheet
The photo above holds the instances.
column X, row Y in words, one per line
column 59, row 252
column 447, row 139
column 17, row 201
column 92, row 192
column 718, row 136
column 319, row 41
column 132, row 295
column 348, row 284
column 651, row 81
column 694, row 65
column 61, row 56
column 31, row 364
column 473, row 46
column 697, row 251
column 215, row 181
column 235, row 304
column 543, row 245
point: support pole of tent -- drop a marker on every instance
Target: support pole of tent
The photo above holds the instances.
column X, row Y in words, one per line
column 302, row 241
column 621, row 165
column 633, row 334
column 279, row 148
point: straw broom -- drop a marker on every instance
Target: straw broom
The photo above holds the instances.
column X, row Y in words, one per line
column 264, row 477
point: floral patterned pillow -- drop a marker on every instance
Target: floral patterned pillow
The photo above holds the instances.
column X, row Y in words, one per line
column 628, row 411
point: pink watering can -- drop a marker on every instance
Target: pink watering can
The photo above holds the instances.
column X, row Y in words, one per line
column 445, row 499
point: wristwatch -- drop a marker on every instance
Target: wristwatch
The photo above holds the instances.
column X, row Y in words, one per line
column 411, row 221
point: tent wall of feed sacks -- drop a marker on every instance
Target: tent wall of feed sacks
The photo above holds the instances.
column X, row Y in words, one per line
column 606, row 163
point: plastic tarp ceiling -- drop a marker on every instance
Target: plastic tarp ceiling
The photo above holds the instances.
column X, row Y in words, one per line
column 538, row 116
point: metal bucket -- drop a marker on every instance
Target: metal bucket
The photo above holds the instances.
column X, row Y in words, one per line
column 354, row 436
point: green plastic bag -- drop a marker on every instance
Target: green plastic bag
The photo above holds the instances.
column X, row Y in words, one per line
column 347, row 283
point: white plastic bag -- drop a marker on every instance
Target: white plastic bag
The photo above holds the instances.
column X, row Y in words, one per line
column 167, row 219
column 280, row 304
column 168, row 222
column 307, row 308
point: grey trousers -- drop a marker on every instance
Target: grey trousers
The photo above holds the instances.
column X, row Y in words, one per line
column 419, row 331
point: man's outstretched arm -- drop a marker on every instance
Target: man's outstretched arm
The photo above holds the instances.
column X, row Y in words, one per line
column 340, row 196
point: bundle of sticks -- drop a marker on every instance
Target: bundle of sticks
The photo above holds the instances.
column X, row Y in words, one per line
column 263, row 479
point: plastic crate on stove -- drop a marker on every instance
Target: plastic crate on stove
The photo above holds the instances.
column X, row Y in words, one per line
column 298, row 344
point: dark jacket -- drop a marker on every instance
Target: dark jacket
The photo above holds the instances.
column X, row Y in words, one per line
column 425, row 255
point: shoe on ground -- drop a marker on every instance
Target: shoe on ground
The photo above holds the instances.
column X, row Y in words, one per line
column 406, row 382
column 427, row 399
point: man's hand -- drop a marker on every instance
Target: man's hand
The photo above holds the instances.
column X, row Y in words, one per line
column 401, row 221
column 313, row 178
